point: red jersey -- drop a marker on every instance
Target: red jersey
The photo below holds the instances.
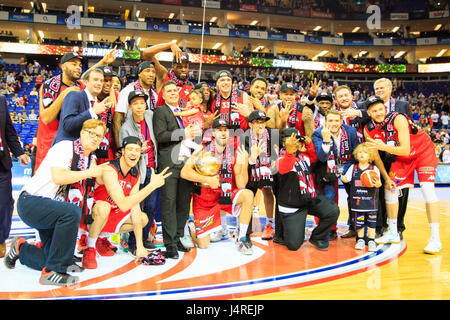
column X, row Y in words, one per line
column 295, row 118
column 184, row 89
column 420, row 142
column 127, row 183
column 46, row 133
column 225, row 108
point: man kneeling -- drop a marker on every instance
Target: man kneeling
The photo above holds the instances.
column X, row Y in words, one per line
column 117, row 197
column 226, row 190
column 297, row 195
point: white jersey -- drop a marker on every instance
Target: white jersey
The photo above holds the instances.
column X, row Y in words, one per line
column 41, row 184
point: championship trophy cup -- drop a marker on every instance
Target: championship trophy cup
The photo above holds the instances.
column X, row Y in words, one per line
column 206, row 164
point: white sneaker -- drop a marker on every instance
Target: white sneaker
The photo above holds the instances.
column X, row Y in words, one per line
column 372, row 246
column 360, row 244
column 433, row 247
column 388, row 237
column 186, row 240
column 220, row 235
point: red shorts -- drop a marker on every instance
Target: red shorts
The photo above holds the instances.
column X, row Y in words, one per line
column 206, row 210
column 116, row 219
column 402, row 170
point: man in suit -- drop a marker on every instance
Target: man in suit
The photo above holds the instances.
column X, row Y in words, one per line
column 176, row 193
column 8, row 142
column 79, row 106
column 334, row 143
column 383, row 89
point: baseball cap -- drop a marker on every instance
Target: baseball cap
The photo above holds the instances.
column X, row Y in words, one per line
column 222, row 74
column 131, row 140
column 220, row 123
column 107, row 71
column 69, row 56
column 184, row 58
column 144, row 65
column 373, row 100
column 324, row 95
column 289, row 131
column 258, row 115
column 137, row 93
column 287, row 86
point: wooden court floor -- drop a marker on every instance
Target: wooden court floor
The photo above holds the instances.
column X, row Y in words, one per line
column 220, row 272
column 413, row 276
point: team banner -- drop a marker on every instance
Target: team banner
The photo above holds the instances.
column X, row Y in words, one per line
column 257, row 34
column 240, row 33
column 276, row 36
column 198, row 30
column 295, row 37
column 438, row 14
column 399, row 16
column 135, row 25
column 178, row 28
column 118, row 24
column 382, row 42
column 333, row 41
column 321, row 15
column 4, row 15
column 248, row 7
column 157, row 27
column 219, row 31
column 214, row 4
column 44, row 18
column 310, row 39
column 434, row 67
column 23, row 17
column 426, row 41
column 358, row 42
column 91, row 22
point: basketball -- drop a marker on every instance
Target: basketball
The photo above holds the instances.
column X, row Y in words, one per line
column 369, row 177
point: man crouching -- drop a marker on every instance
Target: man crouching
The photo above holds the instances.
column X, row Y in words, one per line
column 117, row 197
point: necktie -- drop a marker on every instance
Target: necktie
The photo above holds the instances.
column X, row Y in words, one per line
column 180, row 121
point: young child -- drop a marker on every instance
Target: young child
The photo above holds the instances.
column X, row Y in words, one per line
column 364, row 200
column 191, row 115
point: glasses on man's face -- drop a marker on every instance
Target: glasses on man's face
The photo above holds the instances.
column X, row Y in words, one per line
column 93, row 135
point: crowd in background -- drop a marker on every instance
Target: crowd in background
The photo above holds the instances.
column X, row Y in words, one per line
column 430, row 111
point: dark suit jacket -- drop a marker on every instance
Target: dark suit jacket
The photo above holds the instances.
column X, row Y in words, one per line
column 323, row 157
column 74, row 112
column 9, row 137
column 169, row 135
column 403, row 107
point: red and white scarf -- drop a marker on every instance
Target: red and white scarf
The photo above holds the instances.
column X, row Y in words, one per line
column 305, row 180
column 351, row 121
column 261, row 170
column 152, row 95
column 225, row 171
column 173, row 77
column 225, row 108
column 343, row 154
column 293, row 116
